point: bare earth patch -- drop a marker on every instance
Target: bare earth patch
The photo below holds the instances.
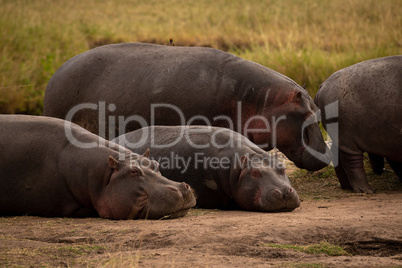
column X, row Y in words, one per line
column 367, row 227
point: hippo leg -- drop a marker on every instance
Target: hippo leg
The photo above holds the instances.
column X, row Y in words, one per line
column 377, row 163
column 342, row 177
column 397, row 167
column 339, row 170
column 353, row 166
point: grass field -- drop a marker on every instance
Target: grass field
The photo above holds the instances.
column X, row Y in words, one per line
column 306, row 40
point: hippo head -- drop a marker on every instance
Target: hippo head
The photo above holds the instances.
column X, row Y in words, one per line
column 135, row 189
column 261, row 187
column 294, row 130
column 302, row 122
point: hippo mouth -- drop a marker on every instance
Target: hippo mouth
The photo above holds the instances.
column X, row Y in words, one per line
column 142, row 212
column 177, row 214
column 180, row 213
column 284, row 204
column 317, row 157
column 188, row 203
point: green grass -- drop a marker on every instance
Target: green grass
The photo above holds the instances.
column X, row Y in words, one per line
column 305, row 40
column 321, row 248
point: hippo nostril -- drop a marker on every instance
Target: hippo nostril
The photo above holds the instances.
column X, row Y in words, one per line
column 290, row 190
column 186, row 186
column 173, row 189
column 278, row 193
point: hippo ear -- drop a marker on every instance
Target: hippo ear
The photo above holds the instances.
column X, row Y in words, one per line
column 146, row 154
column 112, row 162
column 244, row 161
column 298, row 97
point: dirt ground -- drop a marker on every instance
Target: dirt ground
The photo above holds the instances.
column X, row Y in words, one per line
column 368, row 227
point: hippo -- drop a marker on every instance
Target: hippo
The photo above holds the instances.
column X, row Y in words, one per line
column 114, row 89
column 368, row 96
column 226, row 170
column 45, row 171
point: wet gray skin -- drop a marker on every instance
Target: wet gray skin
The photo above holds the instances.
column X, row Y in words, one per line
column 368, row 111
column 227, row 171
column 131, row 81
column 43, row 173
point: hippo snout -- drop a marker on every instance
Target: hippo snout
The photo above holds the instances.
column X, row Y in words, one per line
column 173, row 189
column 184, row 189
column 292, row 198
column 285, row 193
column 185, row 186
column 187, row 195
column 287, row 199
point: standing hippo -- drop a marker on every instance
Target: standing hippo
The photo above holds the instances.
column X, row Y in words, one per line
column 118, row 88
column 43, row 172
column 225, row 169
column 370, row 118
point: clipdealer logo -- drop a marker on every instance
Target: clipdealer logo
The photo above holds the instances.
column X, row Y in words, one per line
column 331, row 112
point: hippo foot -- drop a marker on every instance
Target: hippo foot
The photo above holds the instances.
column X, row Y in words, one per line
column 359, row 189
column 363, row 189
column 351, row 169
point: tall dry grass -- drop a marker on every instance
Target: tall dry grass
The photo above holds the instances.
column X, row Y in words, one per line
column 306, row 40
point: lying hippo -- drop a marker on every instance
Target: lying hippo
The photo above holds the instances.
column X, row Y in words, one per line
column 113, row 89
column 42, row 172
column 370, row 117
column 225, row 168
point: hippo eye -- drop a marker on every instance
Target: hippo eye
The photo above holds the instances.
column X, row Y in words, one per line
column 136, row 171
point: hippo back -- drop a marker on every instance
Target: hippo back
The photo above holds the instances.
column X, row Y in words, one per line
column 369, row 95
column 113, row 89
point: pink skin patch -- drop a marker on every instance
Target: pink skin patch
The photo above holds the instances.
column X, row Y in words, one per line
column 257, row 198
column 256, row 173
column 173, row 189
column 282, row 99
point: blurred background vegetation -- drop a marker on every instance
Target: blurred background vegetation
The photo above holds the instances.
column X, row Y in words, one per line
column 306, row 40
